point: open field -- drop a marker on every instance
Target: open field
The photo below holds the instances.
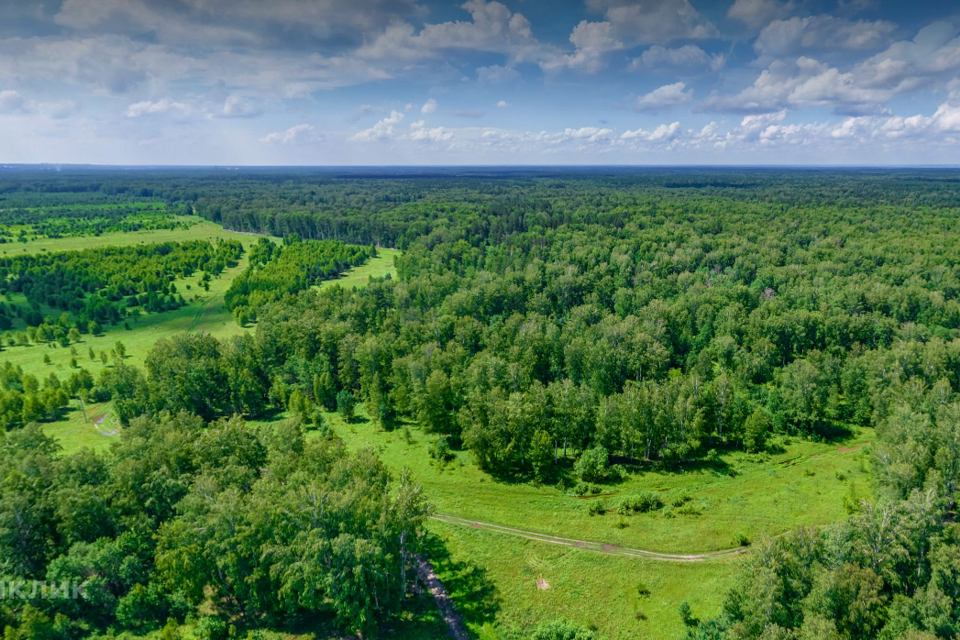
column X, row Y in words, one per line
column 199, row 230
column 493, row 576
column 378, row 267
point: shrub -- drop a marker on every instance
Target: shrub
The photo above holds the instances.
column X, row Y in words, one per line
column 640, row 503
column 592, row 464
column 680, row 500
column 597, row 508
column 440, row 450
column 563, row 630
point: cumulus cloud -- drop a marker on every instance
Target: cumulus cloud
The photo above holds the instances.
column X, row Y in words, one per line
column 277, row 24
column 756, row 13
column 667, row 96
column 664, row 132
column 497, row 74
column 421, row 133
column 300, row 134
column 493, row 28
column 163, row 107
column 592, row 41
column 654, row 21
column 382, row 130
column 503, row 104
column 820, row 33
column 430, row 106
column 688, row 58
column 805, row 82
column 239, row 107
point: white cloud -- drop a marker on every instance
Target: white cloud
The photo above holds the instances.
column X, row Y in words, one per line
column 662, row 133
column 421, row 133
column 503, row 104
column 667, row 96
column 382, row 130
column 688, row 58
column 164, row 107
column 300, row 134
column 819, row 33
column 932, row 58
column 496, row 74
column 654, row 21
column 231, row 22
column 430, row 106
column 239, row 107
column 806, row 82
column 493, row 28
column 592, row 41
column 756, row 13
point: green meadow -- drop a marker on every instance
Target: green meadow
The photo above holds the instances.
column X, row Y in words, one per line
column 517, row 582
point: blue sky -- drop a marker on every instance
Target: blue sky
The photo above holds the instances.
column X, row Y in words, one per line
column 343, row 82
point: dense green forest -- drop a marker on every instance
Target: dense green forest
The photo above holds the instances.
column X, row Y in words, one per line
column 95, row 287
column 561, row 328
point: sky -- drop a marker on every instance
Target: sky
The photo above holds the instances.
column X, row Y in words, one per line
column 482, row 82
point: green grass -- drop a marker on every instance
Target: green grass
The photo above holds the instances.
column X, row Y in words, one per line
column 200, row 230
column 378, row 267
column 767, row 495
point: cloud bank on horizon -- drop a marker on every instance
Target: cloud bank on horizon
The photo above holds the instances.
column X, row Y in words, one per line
column 341, row 82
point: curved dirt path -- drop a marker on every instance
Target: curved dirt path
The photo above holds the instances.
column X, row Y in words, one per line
column 592, row 546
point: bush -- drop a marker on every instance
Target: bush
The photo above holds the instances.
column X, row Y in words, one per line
column 680, row 500
column 440, row 450
column 640, row 503
column 585, row 488
column 211, row 628
column 563, row 630
column 597, row 508
column 592, row 465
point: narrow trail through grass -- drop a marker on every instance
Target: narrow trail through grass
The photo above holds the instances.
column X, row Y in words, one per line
column 592, row 546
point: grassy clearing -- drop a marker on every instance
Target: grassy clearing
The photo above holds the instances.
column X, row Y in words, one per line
column 378, row 267
column 199, row 230
column 768, row 494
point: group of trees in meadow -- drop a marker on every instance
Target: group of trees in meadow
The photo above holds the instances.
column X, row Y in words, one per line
column 97, row 287
column 277, row 271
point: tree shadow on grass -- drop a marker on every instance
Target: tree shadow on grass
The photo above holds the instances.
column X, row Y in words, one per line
column 467, row 583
